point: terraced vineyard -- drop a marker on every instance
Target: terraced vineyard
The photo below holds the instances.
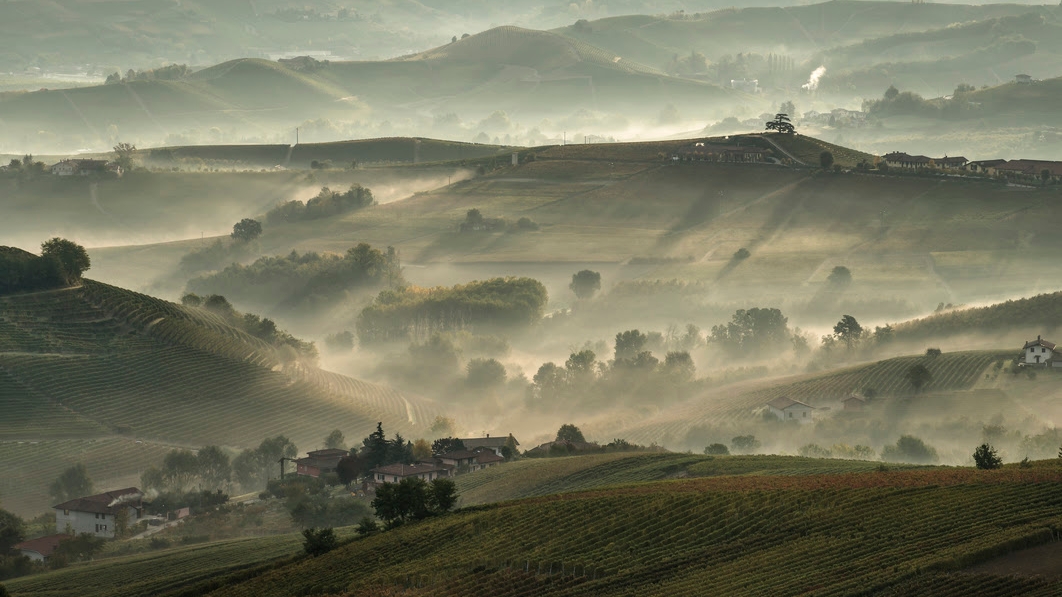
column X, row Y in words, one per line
column 852, row 534
column 545, row 476
column 955, row 371
column 98, row 360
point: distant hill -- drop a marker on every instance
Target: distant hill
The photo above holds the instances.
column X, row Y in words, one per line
column 1032, row 316
column 507, row 69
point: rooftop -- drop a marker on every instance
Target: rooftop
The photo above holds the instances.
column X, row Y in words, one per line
column 408, row 470
column 102, row 503
column 783, row 403
column 43, row 545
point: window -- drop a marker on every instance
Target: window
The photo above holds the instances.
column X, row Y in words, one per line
column 805, row 414
column 66, row 512
column 790, row 415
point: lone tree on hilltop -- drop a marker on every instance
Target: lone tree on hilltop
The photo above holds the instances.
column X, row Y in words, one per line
column 73, row 258
column 782, row 124
column 246, row 230
column 570, row 433
column 585, row 283
column 918, row 376
column 826, row 160
column 124, row 155
column 985, row 457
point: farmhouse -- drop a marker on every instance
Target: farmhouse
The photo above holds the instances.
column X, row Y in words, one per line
column 41, row 548
column 898, row 159
column 787, row 409
column 85, row 168
column 99, row 514
column 394, row 473
column 1031, row 169
column 319, row 462
column 985, row 166
column 952, row 163
column 494, row 443
column 853, row 404
column 1040, row 352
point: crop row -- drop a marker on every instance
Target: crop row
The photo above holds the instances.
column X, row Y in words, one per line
column 829, row 535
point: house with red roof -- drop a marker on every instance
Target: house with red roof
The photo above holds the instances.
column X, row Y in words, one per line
column 41, row 548
column 1039, row 352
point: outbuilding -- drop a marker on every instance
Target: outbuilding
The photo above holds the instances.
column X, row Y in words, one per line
column 787, row 409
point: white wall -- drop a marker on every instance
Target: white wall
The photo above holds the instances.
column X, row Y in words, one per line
column 1037, row 351
column 100, row 525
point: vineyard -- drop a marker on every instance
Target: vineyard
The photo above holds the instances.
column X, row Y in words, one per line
column 906, row 532
column 538, row 477
column 951, row 372
column 98, row 361
column 808, row 149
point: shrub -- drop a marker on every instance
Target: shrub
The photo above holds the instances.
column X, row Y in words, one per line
column 717, row 449
column 319, row 541
column 985, row 457
column 368, row 526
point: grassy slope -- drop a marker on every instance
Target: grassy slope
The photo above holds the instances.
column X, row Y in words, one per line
column 705, row 536
column 99, row 360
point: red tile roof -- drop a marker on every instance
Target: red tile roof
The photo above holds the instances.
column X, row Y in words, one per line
column 42, row 545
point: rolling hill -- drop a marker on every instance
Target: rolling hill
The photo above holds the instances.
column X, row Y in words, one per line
column 724, row 535
column 98, row 362
column 534, row 73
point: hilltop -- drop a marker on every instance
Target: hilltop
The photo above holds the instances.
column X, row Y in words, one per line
column 96, row 362
column 723, row 535
column 506, row 69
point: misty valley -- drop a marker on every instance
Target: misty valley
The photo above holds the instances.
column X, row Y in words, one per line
column 538, row 298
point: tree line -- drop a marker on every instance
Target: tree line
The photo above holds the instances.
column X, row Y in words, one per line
column 417, row 313
column 305, row 279
column 262, row 328
column 327, row 203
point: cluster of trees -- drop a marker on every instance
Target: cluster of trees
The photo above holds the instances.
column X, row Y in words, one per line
column 414, row 499
column 61, row 263
column 585, row 283
column 27, row 167
column 376, row 451
column 262, row 328
column 741, row 444
column 327, row 203
column 310, row 503
column 209, row 468
column 305, row 279
column 253, row 468
column 172, row 72
column 414, row 313
column 632, row 374
column 753, row 331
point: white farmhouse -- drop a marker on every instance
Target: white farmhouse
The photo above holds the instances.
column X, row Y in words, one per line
column 1039, row 352
column 787, row 409
column 96, row 514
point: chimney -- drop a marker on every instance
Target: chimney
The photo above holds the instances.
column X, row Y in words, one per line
column 488, row 436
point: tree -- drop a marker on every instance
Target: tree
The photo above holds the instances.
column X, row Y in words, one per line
column 752, row 330
column 826, row 160
column 73, row 483
column 213, row 466
column 745, row 443
column 679, row 366
column 788, row 107
column 191, row 300
column 421, row 450
column 909, row 449
column 367, row 526
column 335, row 440
column 933, row 352
column 473, row 218
column 72, row 257
column 839, row 276
column 629, row 344
column 918, row 376
column 892, row 92
column 716, row 449
column 485, row 373
column 985, row 457
column 570, row 433
column 848, row 330
column 445, row 445
column 1045, row 176
column 124, row 155
column 585, row 283
column 12, row 531
column 319, row 542
column 246, row 230
column 782, row 124
column 349, row 468
column 442, row 496
column 179, row 467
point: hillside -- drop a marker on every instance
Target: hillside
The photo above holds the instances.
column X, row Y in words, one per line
column 691, row 537
column 507, row 69
column 100, row 362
